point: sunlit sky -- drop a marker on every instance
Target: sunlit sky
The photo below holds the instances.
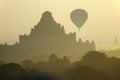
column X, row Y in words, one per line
column 103, row 24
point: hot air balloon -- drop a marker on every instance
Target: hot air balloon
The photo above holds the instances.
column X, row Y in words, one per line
column 79, row 17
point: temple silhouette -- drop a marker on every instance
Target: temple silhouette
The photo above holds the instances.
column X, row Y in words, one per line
column 45, row 38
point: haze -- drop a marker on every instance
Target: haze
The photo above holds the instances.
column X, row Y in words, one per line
column 103, row 24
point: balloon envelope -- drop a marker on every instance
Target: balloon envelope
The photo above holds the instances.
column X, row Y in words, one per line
column 79, row 17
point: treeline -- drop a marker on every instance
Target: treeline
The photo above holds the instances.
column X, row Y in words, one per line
column 93, row 66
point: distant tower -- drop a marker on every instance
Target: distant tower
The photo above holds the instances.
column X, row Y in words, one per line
column 116, row 42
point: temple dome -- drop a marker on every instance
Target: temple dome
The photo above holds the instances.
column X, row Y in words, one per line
column 47, row 15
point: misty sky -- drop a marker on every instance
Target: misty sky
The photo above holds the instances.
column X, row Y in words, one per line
column 103, row 24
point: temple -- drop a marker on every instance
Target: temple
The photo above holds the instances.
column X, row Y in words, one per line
column 45, row 38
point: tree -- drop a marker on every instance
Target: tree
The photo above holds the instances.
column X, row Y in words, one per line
column 94, row 59
column 28, row 64
column 85, row 73
column 10, row 71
